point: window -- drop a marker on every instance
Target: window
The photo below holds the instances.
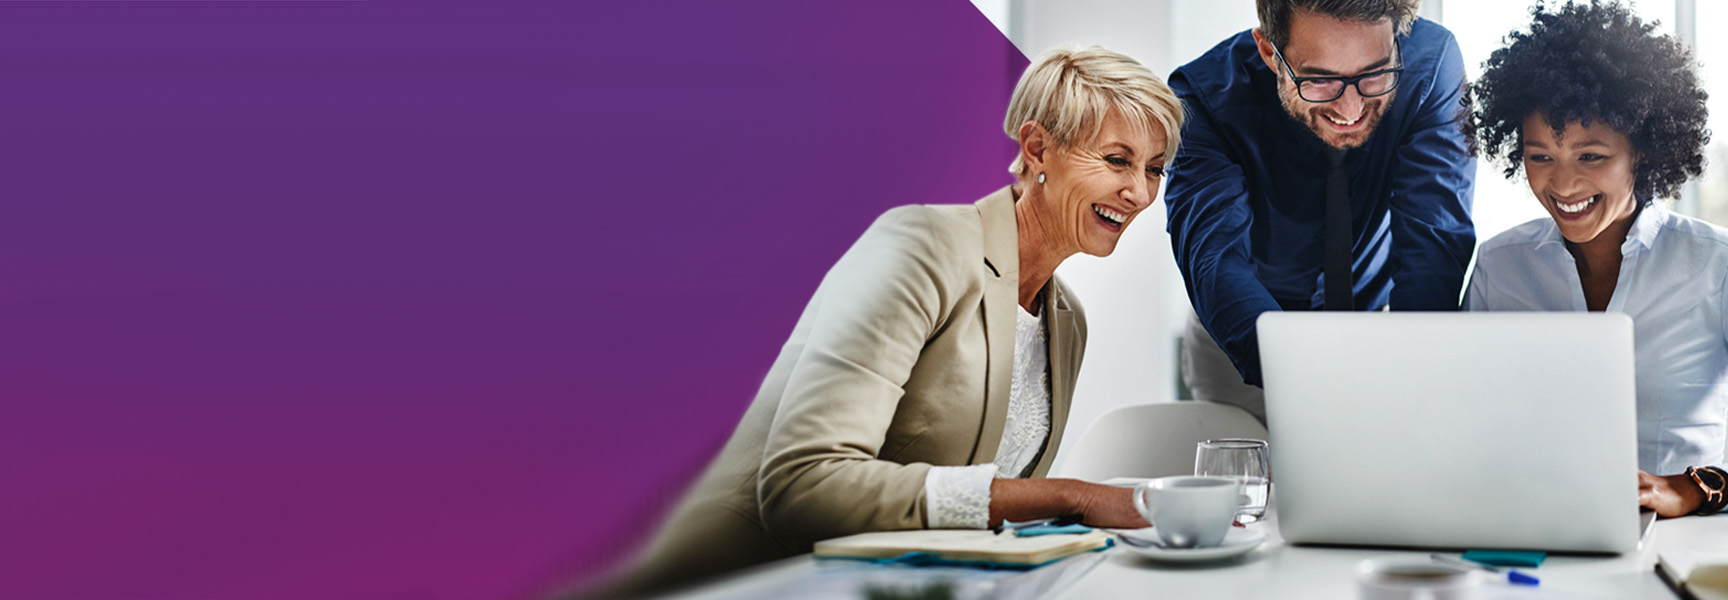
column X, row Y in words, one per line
column 1712, row 54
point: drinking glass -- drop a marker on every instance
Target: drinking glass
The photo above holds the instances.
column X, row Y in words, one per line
column 1243, row 460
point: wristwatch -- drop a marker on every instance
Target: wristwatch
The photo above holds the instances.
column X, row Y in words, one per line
column 1712, row 481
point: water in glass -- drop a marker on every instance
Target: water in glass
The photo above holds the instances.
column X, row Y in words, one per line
column 1245, row 460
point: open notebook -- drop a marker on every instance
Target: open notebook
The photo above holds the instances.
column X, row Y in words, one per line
column 1695, row 575
column 958, row 546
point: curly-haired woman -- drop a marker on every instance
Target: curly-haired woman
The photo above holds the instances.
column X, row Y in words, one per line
column 1603, row 115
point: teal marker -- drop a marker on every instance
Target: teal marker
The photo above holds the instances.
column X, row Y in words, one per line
column 1513, row 576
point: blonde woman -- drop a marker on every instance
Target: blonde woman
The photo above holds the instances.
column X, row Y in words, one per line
column 927, row 383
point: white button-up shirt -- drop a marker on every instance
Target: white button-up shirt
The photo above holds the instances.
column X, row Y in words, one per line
column 1673, row 277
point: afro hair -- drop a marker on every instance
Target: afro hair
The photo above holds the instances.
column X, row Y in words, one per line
column 1592, row 63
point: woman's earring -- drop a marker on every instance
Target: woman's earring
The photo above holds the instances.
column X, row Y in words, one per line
column 1040, row 179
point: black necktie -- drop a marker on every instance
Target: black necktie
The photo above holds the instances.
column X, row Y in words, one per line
column 1339, row 279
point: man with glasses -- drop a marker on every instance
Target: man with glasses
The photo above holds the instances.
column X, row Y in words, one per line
column 1324, row 165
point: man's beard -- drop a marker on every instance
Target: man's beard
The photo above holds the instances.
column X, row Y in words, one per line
column 1309, row 115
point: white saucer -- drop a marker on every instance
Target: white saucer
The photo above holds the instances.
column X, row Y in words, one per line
column 1236, row 543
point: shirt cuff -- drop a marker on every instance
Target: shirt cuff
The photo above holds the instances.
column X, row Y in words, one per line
column 958, row 497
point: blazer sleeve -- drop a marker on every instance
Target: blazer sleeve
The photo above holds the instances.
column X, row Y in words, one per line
column 820, row 475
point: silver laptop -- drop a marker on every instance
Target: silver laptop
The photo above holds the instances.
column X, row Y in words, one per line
column 1453, row 430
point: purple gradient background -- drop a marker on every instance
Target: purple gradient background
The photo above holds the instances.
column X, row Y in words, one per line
column 404, row 300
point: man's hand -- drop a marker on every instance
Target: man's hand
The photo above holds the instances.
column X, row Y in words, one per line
column 1669, row 496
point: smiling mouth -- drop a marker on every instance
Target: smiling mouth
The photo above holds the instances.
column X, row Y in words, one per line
column 1343, row 123
column 1576, row 207
column 1113, row 217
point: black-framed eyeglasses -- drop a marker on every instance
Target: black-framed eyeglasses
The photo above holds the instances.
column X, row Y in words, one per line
column 1327, row 89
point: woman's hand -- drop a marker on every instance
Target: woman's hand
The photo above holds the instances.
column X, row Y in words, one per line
column 1670, row 495
column 1098, row 505
column 1108, row 506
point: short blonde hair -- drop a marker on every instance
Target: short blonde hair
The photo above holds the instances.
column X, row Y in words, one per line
column 1069, row 90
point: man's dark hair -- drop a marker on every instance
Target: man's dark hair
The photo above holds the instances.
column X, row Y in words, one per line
column 1593, row 63
column 1275, row 14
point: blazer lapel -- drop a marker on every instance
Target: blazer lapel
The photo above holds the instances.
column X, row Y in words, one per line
column 1060, row 335
column 1001, row 295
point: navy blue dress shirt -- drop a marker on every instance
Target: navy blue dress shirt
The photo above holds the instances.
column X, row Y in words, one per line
column 1247, row 193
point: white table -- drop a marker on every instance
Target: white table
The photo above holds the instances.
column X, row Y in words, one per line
column 1274, row 570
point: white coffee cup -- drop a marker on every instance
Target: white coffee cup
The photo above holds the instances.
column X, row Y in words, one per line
column 1414, row 578
column 1188, row 511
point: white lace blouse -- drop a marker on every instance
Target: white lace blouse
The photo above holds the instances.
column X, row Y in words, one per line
column 959, row 497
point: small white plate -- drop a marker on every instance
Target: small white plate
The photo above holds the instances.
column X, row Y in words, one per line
column 1145, row 542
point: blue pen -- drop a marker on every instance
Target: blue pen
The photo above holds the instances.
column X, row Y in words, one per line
column 1513, row 576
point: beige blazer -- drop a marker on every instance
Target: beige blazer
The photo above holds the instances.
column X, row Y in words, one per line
column 902, row 360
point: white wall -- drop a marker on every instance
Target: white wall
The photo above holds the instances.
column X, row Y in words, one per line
column 1135, row 303
column 1198, row 26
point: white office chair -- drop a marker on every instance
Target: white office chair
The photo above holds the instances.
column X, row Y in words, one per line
column 1154, row 440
